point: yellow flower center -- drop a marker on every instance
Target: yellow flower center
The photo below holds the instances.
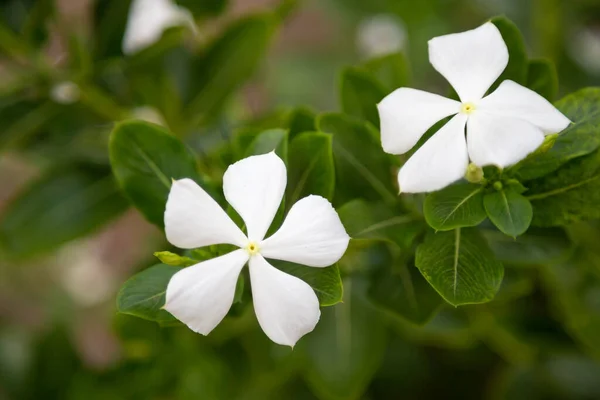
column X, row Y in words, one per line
column 467, row 108
column 252, row 248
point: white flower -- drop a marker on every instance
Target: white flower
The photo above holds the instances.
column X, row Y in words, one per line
column 312, row 234
column 381, row 35
column 502, row 128
column 65, row 92
column 147, row 21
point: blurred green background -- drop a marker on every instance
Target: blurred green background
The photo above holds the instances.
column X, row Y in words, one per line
column 65, row 82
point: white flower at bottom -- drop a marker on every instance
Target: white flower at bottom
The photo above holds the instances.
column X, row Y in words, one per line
column 502, row 128
column 312, row 234
column 148, row 19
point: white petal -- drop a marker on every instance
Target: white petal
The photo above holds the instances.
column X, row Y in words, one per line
column 286, row 307
column 442, row 160
column 201, row 295
column 312, row 234
column 406, row 114
column 147, row 21
column 501, row 141
column 516, row 101
column 255, row 186
column 193, row 219
column 471, row 61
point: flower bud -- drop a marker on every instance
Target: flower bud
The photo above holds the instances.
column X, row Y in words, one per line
column 474, row 173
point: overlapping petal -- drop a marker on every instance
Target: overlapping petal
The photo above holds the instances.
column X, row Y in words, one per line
column 193, row 219
column 254, row 187
column 406, row 114
column 499, row 140
column 312, row 234
column 442, row 160
column 147, row 21
column 471, row 61
column 286, row 307
column 201, row 295
column 515, row 101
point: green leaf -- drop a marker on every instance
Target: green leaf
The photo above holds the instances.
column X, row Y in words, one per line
column 510, row 211
column 143, row 295
column 460, row 266
column 361, row 168
column 326, row 282
column 568, row 195
column 63, row 204
column 536, row 247
column 310, row 167
column 391, row 70
column 402, row 290
column 360, row 93
column 166, row 257
column 346, row 348
column 145, row 158
column 301, row 120
column 582, row 137
column 517, row 67
column 375, row 221
column 268, row 141
column 216, row 76
column 542, row 78
column 204, row 8
column 455, row 206
column 110, row 20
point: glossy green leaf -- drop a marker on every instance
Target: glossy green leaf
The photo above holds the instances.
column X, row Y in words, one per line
column 310, row 167
column 460, row 266
column 375, row 221
column 360, row 93
column 510, row 211
column 326, row 282
column 542, row 78
column 63, row 204
column 346, row 347
column 580, row 138
column 216, row 76
column 145, row 158
column 361, row 168
column 143, row 295
column 391, row 70
column 301, row 120
column 570, row 194
column 455, row 206
column 517, row 67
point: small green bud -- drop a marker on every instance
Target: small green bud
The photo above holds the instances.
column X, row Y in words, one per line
column 166, row 257
column 548, row 143
column 474, row 173
column 498, row 185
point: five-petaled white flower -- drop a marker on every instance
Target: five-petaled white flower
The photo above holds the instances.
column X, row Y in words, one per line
column 148, row 19
column 502, row 128
column 312, row 234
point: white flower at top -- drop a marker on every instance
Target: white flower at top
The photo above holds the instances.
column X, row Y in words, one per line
column 147, row 21
column 502, row 128
column 311, row 234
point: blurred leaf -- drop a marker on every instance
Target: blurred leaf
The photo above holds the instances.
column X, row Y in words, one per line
column 510, row 211
column 390, row 70
column 310, row 167
column 110, row 20
column 326, row 282
column 402, row 290
column 63, row 204
column 204, row 8
column 268, row 141
column 35, row 27
column 360, row 93
column 537, row 246
column 361, row 168
column 216, row 75
column 578, row 139
column 346, row 347
column 376, row 221
column 145, row 158
column 455, row 206
column 460, row 266
column 143, row 295
column 301, row 120
column 542, row 78
column 516, row 70
column 568, row 195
